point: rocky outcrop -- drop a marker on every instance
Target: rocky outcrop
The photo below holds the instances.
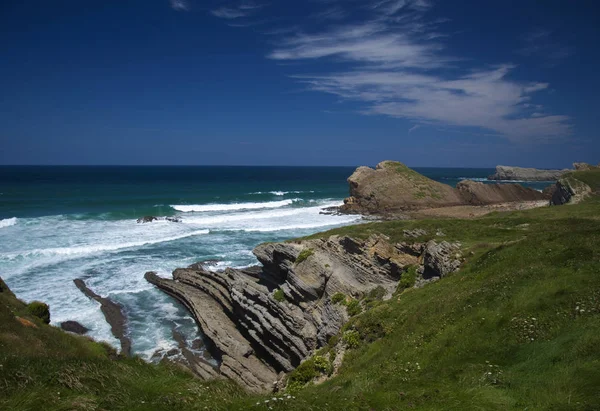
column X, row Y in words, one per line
column 440, row 259
column 392, row 188
column 584, row 167
column 113, row 312
column 265, row 320
column 569, row 190
column 476, row 193
column 526, row 174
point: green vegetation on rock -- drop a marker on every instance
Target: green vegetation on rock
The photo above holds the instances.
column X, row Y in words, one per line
column 408, row 278
column 279, row 295
column 338, row 298
column 354, row 308
column 40, row 310
column 304, row 254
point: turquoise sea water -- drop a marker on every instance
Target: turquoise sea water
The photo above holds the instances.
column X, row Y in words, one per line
column 62, row 223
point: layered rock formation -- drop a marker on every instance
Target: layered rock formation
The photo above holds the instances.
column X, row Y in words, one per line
column 265, row 320
column 393, row 188
column 526, row 174
column 569, row 190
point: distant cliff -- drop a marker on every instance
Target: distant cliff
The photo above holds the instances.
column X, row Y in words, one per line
column 392, row 187
column 526, row 174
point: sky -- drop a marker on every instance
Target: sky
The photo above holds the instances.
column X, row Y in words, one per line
column 307, row 82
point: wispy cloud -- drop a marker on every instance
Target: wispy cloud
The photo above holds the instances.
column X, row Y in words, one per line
column 413, row 128
column 543, row 44
column 236, row 11
column 180, row 5
column 394, row 60
column 396, row 64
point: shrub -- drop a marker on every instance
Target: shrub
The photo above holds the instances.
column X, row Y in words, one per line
column 279, row 295
column 304, row 254
column 354, row 308
column 351, row 338
column 376, row 293
column 303, row 374
column 40, row 310
column 322, row 364
column 338, row 298
column 408, row 278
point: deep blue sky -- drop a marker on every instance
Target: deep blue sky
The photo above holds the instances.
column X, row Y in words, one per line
column 321, row 82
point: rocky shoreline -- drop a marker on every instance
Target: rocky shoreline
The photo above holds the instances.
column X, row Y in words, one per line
column 113, row 312
column 262, row 322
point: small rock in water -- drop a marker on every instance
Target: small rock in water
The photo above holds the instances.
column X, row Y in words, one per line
column 151, row 218
column 147, row 219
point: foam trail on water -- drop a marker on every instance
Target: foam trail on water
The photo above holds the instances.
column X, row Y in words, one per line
column 200, row 208
column 93, row 249
column 7, row 222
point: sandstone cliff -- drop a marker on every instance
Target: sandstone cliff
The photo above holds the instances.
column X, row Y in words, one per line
column 526, row 174
column 392, row 187
column 265, row 320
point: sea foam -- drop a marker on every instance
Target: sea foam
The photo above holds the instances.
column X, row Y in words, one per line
column 7, row 222
column 200, row 208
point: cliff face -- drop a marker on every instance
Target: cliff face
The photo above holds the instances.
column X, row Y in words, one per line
column 266, row 320
column 526, row 174
column 392, row 187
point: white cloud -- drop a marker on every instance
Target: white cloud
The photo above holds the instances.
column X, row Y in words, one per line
column 397, row 66
column 413, row 128
column 180, row 5
column 236, row 11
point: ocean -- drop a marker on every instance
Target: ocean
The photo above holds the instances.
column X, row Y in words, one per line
column 62, row 223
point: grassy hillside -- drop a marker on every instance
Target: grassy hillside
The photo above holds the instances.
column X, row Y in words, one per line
column 518, row 327
column 44, row 368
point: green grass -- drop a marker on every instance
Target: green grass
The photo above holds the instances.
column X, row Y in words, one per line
column 517, row 328
column 44, row 368
column 279, row 295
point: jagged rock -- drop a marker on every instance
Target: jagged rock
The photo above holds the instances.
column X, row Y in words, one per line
column 569, row 190
column 114, row 314
column 254, row 335
column 238, row 359
column 526, row 174
column 147, row 219
column 440, row 259
column 417, row 232
column 74, row 327
column 477, row 193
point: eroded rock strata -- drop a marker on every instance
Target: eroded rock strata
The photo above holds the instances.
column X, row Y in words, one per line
column 265, row 320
